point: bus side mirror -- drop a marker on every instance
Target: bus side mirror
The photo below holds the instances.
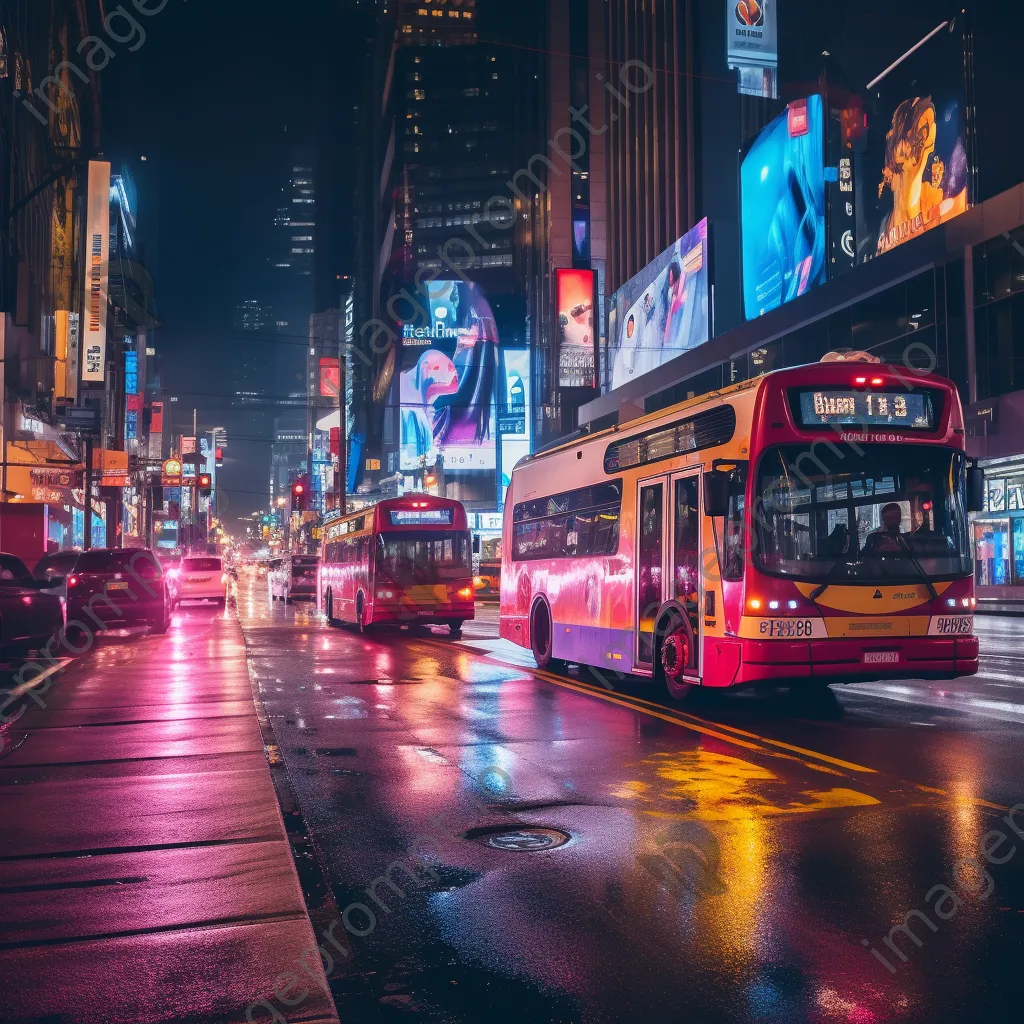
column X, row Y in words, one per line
column 716, row 493
column 975, row 489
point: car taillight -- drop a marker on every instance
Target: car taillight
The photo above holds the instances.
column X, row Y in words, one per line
column 72, row 581
column 466, row 592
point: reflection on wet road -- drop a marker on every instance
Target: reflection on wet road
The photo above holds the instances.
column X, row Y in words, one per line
column 740, row 857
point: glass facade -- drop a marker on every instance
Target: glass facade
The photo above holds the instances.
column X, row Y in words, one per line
column 999, row 314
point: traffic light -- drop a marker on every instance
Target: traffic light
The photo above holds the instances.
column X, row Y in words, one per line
column 300, row 495
column 205, row 484
column 429, row 478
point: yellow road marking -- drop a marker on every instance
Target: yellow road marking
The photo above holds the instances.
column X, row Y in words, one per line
column 728, row 733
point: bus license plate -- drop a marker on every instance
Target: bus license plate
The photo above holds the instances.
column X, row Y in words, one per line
column 786, row 627
column 117, row 586
column 881, row 657
column 949, row 625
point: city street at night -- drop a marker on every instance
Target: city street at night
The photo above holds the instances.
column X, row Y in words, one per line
column 511, row 512
column 554, row 848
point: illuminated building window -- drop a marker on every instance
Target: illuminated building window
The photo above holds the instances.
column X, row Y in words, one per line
column 453, row 14
column 422, row 12
column 467, row 14
column 407, row 29
column 418, row 94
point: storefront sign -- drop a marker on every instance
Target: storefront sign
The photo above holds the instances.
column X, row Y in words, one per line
column 94, row 304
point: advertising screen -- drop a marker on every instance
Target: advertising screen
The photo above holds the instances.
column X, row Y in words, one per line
column 914, row 174
column 663, row 311
column 330, row 377
column 514, row 413
column 574, row 296
column 447, row 381
column 782, row 208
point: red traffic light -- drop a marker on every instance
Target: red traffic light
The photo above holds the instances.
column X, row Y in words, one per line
column 297, row 489
column 204, row 480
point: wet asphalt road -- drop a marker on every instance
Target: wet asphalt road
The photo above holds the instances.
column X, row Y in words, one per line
column 734, row 858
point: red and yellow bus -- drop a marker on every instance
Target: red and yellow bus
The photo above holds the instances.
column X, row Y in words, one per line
column 807, row 525
column 406, row 561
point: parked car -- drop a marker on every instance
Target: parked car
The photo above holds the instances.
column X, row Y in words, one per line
column 487, row 581
column 114, row 587
column 54, row 569
column 29, row 616
column 202, row 578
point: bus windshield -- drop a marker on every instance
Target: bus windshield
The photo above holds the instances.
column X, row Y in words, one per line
column 868, row 513
column 410, row 558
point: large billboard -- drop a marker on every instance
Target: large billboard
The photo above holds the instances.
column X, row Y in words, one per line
column 661, row 312
column 447, row 381
column 513, row 412
column 97, row 256
column 914, row 173
column 782, row 208
column 574, row 298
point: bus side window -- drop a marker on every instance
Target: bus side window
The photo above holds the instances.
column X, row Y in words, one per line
column 735, row 531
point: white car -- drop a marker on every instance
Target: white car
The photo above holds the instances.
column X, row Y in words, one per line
column 202, row 578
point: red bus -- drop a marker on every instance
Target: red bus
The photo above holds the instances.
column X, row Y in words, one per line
column 809, row 525
column 405, row 561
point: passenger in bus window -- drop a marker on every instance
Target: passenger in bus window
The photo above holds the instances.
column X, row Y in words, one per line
column 838, row 541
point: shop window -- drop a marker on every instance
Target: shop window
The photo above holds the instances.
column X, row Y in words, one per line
column 1018, row 548
column 992, row 552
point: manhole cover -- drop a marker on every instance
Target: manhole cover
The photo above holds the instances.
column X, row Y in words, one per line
column 529, row 839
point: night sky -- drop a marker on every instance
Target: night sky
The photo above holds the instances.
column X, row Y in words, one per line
column 210, row 98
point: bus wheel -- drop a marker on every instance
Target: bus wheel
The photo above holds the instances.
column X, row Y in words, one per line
column 363, row 625
column 455, row 629
column 541, row 637
column 675, row 657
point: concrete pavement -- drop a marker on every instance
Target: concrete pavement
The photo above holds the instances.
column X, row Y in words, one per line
column 145, row 871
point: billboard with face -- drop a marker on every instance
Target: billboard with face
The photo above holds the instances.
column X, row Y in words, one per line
column 574, row 295
column 662, row 312
column 782, row 208
column 914, row 173
column 447, row 381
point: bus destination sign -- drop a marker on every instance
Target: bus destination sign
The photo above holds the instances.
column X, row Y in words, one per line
column 422, row 517
column 909, row 410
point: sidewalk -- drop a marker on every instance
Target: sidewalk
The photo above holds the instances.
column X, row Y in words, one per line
column 145, row 874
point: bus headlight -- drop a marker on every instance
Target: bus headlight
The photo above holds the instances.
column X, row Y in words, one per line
column 466, row 593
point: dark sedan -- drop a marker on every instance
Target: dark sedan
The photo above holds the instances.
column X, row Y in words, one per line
column 28, row 618
column 113, row 587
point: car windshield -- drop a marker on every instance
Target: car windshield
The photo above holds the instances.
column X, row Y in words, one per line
column 126, row 560
column 58, row 564
column 893, row 514
column 409, row 558
column 201, row 564
column 13, row 570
